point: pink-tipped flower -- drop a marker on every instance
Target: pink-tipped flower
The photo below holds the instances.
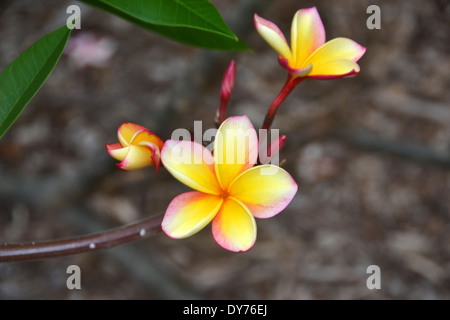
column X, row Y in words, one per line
column 137, row 148
column 309, row 55
column 225, row 92
column 229, row 190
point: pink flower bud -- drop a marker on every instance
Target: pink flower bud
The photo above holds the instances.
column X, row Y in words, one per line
column 225, row 92
column 228, row 81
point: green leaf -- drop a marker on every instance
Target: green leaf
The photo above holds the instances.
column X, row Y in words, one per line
column 20, row 81
column 192, row 22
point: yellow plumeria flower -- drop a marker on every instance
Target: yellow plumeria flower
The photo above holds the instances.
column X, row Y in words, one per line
column 230, row 190
column 309, row 55
column 137, row 148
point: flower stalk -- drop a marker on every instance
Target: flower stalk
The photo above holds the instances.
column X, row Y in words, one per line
column 291, row 82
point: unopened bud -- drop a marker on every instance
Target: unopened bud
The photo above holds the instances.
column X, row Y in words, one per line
column 225, row 92
column 228, row 82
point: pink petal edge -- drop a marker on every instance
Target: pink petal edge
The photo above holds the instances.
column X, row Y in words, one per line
column 261, row 21
column 335, row 76
column 303, row 72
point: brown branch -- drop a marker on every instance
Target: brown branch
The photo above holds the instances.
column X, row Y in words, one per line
column 56, row 248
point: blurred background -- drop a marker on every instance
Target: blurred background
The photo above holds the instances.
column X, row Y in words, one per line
column 371, row 155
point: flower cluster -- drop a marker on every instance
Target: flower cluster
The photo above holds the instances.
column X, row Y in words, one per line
column 229, row 189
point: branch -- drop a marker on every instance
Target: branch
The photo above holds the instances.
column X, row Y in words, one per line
column 49, row 249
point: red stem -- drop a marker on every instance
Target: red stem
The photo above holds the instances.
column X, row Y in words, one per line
column 222, row 111
column 290, row 84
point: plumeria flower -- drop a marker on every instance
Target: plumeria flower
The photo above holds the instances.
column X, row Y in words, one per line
column 310, row 56
column 229, row 190
column 137, row 148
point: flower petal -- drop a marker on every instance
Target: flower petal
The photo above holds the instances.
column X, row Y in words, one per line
column 156, row 153
column 234, row 227
column 146, row 136
column 235, row 149
column 192, row 164
column 337, row 49
column 302, row 72
column 272, row 34
column 307, row 34
column 334, row 69
column 138, row 157
column 265, row 190
column 116, row 151
column 190, row 212
column 126, row 132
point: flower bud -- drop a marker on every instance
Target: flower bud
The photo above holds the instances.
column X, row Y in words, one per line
column 137, row 148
